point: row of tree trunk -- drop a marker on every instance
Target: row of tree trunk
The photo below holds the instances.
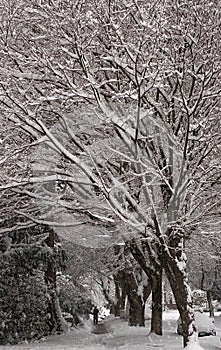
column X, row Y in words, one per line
column 134, row 284
column 130, row 286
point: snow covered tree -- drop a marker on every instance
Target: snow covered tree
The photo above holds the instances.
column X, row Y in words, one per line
column 135, row 88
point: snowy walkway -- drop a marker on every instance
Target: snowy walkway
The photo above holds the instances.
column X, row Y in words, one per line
column 114, row 334
column 100, row 328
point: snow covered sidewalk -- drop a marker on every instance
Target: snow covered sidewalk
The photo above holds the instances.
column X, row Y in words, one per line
column 115, row 334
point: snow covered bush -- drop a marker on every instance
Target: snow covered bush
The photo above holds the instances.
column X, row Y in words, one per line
column 23, row 311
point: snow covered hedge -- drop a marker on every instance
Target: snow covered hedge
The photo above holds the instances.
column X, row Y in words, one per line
column 23, row 294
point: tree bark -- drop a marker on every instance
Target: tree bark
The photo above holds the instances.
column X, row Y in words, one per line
column 136, row 296
column 157, row 307
column 136, row 310
column 56, row 321
column 177, row 277
column 210, row 303
column 153, row 270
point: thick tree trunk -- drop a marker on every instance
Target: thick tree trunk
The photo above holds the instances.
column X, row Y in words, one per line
column 136, row 310
column 176, row 273
column 56, row 320
column 137, row 297
column 157, row 308
column 153, row 270
column 210, row 303
column 135, row 284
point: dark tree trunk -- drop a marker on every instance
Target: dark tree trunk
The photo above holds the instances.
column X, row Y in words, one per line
column 157, row 308
column 123, row 302
column 117, row 295
column 153, row 270
column 136, row 310
column 56, row 320
column 136, row 301
column 210, row 303
column 50, row 280
column 132, row 284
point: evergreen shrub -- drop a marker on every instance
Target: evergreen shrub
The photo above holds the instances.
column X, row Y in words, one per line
column 23, row 295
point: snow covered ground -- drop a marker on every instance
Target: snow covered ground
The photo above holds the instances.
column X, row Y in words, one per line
column 119, row 336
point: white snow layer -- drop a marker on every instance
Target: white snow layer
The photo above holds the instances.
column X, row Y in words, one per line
column 120, row 336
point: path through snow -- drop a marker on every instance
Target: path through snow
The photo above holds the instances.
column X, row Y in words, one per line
column 114, row 334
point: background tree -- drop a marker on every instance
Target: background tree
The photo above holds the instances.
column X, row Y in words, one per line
column 205, row 274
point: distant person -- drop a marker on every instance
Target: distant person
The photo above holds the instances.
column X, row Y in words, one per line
column 95, row 315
